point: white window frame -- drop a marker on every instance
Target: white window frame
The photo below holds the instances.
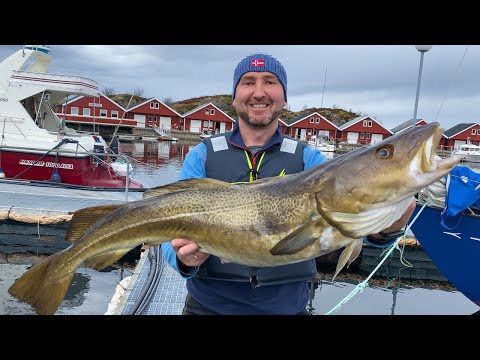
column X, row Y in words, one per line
column 86, row 111
column 317, row 120
column 74, row 110
column 103, row 113
column 312, row 120
column 114, row 114
column 474, row 131
column 212, row 111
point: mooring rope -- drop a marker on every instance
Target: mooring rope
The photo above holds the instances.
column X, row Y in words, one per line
column 38, row 232
column 360, row 287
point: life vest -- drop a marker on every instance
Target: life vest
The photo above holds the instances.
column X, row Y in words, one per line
column 277, row 159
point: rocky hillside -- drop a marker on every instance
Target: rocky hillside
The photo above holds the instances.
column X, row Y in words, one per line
column 224, row 102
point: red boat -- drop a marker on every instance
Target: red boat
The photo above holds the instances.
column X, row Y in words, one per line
column 35, row 144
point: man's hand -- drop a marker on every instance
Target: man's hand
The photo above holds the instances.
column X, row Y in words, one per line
column 187, row 252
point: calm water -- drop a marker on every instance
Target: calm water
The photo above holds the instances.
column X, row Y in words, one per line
column 159, row 163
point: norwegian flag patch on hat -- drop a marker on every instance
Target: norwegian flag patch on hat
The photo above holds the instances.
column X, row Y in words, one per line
column 258, row 62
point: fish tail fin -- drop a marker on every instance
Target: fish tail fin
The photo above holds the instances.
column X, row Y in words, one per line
column 349, row 254
column 40, row 288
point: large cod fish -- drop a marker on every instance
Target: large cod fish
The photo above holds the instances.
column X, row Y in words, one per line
column 270, row 222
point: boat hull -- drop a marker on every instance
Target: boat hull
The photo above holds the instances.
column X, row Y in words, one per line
column 456, row 253
column 79, row 170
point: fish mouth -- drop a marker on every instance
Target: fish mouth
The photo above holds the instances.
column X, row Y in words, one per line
column 427, row 166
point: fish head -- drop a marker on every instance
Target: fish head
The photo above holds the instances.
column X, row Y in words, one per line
column 368, row 189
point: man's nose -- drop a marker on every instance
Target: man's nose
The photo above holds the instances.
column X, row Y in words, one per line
column 259, row 90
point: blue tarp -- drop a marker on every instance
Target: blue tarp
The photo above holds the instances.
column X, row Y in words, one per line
column 463, row 191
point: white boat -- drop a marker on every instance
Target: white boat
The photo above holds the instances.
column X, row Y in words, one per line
column 35, row 144
column 468, row 152
column 206, row 133
column 322, row 143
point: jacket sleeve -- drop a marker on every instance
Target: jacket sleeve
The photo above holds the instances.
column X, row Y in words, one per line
column 194, row 164
column 193, row 167
column 169, row 255
column 312, row 157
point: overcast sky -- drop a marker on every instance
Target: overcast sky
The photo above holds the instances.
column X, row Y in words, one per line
column 375, row 80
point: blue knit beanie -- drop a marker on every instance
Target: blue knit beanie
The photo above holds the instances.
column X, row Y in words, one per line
column 260, row 62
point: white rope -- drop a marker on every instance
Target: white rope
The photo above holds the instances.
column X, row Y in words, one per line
column 360, row 287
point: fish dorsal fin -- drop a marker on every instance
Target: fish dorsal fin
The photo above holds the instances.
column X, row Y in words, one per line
column 84, row 218
column 348, row 255
column 183, row 185
column 298, row 240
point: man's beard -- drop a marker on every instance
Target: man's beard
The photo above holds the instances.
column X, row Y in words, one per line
column 244, row 116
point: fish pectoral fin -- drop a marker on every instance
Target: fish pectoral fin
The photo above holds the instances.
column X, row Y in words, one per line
column 84, row 218
column 100, row 262
column 298, row 240
column 183, row 185
column 349, row 254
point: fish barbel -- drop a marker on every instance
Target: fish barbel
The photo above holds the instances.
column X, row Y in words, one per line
column 269, row 222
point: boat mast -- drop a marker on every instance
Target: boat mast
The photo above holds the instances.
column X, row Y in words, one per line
column 324, row 82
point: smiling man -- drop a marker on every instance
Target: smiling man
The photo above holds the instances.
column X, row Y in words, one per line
column 254, row 149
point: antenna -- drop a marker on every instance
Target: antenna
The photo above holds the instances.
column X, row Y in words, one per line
column 324, row 82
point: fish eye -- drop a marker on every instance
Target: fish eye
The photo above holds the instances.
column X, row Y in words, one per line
column 385, row 152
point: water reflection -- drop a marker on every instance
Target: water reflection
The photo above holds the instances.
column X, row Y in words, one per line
column 89, row 293
column 384, row 297
column 156, row 163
